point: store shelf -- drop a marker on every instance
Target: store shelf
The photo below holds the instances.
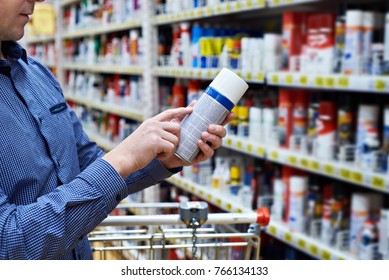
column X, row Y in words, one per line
column 377, row 84
column 205, row 73
column 100, row 29
column 104, row 68
column 204, row 12
column 120, row 110
column 101, row 141
column 333, row 169
column 40, row 39
column 276, row 229
column 280, row 3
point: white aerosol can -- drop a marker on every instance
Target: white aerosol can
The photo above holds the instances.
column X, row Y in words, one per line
column 213, row 106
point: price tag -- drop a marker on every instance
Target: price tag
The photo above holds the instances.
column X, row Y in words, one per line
column 303, row 80
column 378, row 182
column 260, row 3
column 314, row 165
column 292, row 160
column 344, row 173
column 276, row 2
column 260, row 77
column 239, row 145
column 192, row 189
column 329, row 82
column 249, row 148
column 288, row 237
column 329, row 169
column 319, row 82
column 304, row 162
column 186, row 186
column 325, row 255
column 249, row 3
column 313, row 250
column 274, row 155
column 379, row 85
column 289, row 79
column 201, row 193
column 239, row 210
column 229, row 142
column 209, row 74
column 275, row 79
column 301, row 244
column 272, row 230
column 238, row 6
column 288, row 1
column 219, row 202
column 249, row 76
column 209, row 11
column 228, row 7
column 261, row 152
column 229, row 207
column 209, row 197
column 219, row 9
column 357, row 177
column 343, row 82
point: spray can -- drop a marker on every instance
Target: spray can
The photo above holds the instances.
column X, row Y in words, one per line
column 353, row 48
column 298, row 189
column 212, row 108
column 285, row 116
column 326, row 127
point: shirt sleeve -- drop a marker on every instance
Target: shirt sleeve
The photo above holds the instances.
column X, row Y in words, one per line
column 54, row 224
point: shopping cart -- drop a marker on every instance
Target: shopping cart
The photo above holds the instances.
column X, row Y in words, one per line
column 192, row 234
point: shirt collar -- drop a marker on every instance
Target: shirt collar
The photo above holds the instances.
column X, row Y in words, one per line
column 13, row 50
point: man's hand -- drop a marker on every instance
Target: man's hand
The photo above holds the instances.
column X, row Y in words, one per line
column 155, row 137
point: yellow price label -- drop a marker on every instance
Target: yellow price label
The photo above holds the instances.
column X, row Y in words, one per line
column 219, row 202
column 261, row 152
column 186, row 186
column 209, row 74
column 378, row 182
column 313, row 249
column 229, row 142
column 357, row 177
column 314, row 165
column 329, row 169
column 344, row 173
column 260, row 3
column 329, row 82
column 209, row 197
column 276, row 2
column 249, row 76
column 238, row 6
column 239, row 145
column 303, row 80
column 249, row 3
column 239, row 210
column 249, row 148
column 379, row 85
column 260, row 77
column 274, row 155
column 272, row 230
column 192, row 189
column 289, row 1
column 201, row 193
column 292, row 160
column 209, row 11
column 191, row 73
column 219, row 9
column 275, row 79
column 343, row 82
column 325, row 255
column 199, row 74
column 229, row 207
column 301, row 244
column 319, row 82
column 288, row 237
column 304, row 163
column 289, row 79
column 228, row 7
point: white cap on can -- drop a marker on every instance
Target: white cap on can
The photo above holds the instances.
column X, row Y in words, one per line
column 230, row 85
column 360, row 202
column 354, row 18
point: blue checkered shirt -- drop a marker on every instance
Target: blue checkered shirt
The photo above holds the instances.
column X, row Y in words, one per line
column 54, row 186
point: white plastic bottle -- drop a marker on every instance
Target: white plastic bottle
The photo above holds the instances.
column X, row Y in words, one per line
column 298, row 190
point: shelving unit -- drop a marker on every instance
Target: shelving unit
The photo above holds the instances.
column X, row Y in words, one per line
column 149, row 24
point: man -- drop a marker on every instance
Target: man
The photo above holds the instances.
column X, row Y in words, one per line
column 56, row 185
